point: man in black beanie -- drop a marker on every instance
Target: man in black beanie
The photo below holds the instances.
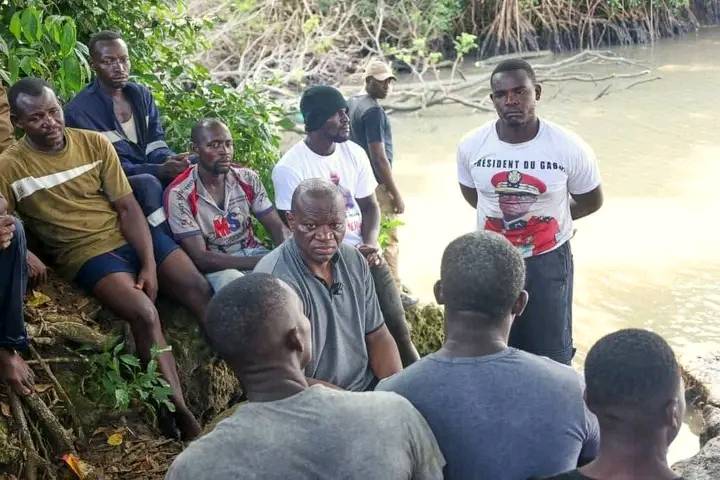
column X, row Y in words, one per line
column 326, row 153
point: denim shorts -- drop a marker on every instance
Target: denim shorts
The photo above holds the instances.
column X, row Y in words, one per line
column 123, row 259
column 545, row 327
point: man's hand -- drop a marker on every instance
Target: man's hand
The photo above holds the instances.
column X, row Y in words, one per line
column 147, row 282
column 398, row 204
column 174, row 165
column 7, row 231
column 371, row 254
column 37, row 270
column 15, row 372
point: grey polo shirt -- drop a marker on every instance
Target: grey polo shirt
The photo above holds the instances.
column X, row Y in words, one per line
column 340, row 314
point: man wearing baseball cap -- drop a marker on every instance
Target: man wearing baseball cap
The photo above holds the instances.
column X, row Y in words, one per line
column 326, row 153
column 370, row 128
column 529, row 179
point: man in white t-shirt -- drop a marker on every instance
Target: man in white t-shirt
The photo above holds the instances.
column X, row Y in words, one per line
column 529, row 179
column 326, row 153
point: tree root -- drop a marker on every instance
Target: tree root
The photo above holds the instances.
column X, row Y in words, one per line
column 30, row 469
column 62, row 440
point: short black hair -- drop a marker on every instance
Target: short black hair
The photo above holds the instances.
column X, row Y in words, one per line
column 202, row 125
column 514, row 64
column 103, row 36
column 316, row 188
column 631, row 369
column 29, row 86
column 482, row 272
column 237, row 313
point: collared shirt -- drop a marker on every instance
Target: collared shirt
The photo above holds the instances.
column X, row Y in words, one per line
column 191, row 210
column 65, row 197
column 92, row 109
column 341, row 314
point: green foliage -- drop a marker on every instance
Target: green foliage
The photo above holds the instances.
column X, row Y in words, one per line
column 386, row 225
column 118, row 380
column 35, row 44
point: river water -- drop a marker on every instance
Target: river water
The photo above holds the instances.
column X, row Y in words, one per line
column 650, row 257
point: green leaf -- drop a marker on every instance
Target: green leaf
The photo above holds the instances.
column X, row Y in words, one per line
column 122, row 399
column 31, row 24
column 151, row 366
column 118, row 348
column 68, row 38
column 3, row 46
column 130, row 360
column 16, row 26
column 27, row 66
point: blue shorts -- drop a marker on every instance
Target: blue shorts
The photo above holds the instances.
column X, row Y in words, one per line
column 123, row 259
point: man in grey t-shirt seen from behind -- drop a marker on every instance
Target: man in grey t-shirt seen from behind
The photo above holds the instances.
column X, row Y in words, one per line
column 353, row 346
column 289, row 429
column 497, row 412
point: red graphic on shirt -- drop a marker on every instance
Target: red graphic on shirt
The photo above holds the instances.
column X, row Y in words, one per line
column 221, row 226
column 517, row 193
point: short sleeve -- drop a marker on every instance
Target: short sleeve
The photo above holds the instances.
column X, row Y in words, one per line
column 114, row 182
column 427, row 459
column 373, row 316
column 261, row 202
column 463, row 168
column 591, row 444
column 6, row 184
column 179, row 216
column 583, row 172
column 366, row 183
column 373, row 122
column 285, row 180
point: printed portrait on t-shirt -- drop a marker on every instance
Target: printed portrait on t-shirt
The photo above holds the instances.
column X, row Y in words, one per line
column 517, row 194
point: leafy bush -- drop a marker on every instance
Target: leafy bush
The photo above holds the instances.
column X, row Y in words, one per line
column 117, row 379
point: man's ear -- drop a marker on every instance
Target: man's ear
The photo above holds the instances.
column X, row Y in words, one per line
column 438, row 291
column 519, row 307
column 293, row 340
column 538, row 91
column 290, row 220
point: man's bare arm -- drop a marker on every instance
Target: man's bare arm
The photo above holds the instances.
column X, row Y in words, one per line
column 586, row 203
column 370, row 219
column 383, row 353
column 207, row 261
column 378, row 157
column 273, row 224
column 469, row 194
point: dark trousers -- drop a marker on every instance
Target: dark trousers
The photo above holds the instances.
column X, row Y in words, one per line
column 545, row 328
column 148, row 191
column 391, row 307
column 13, row 281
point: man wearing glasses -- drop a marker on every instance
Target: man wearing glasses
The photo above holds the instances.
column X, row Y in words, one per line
column 126, row 114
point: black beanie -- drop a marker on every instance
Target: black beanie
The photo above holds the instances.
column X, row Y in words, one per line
column 320, row 103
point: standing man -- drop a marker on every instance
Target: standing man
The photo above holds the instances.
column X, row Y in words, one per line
column 125, row 113
column 352, row 346
column 497, row 412
column 370, row 128
column 72, row 194
column 529, row 179
column 635, row 388
column 211, row 205
column 289, row 429
column 326, row 153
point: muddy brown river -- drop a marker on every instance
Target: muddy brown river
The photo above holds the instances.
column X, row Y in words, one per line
column 650, row 257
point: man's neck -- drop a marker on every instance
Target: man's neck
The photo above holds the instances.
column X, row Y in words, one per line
column 109, row 90
column 210, row 180
column 622, row 458
column 472, row 335
column 44, row 148
column 517, row 133
column 320, row 145
column 272, row 382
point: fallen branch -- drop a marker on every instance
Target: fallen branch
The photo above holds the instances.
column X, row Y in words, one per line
column 639, row 82
column 61, row 439
column 20, row 421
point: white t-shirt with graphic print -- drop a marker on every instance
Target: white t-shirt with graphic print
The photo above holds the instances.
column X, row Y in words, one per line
column 523, row 188
column 348, row 167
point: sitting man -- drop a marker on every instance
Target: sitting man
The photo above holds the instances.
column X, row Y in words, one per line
column 635, row 389
column 353, row 348
column 288, row 429
column 497, row 412
column 210, row 208
column 69, row 188
column 6, row 129
column 125, row 113
column 326, row 153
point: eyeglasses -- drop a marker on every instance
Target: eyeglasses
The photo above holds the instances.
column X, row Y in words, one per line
column 109, row 62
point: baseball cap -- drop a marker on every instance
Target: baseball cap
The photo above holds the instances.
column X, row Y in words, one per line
column 380, row 71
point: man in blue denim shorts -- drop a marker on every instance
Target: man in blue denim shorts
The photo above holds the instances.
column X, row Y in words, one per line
column 211, row 205
column 529, row 179
column 69, row 188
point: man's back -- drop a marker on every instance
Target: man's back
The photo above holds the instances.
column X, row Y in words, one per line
column 369, row 124
column 506, row 416
column 316, row 434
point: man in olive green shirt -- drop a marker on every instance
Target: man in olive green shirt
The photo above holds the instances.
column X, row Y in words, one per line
column 74, row 197
column 6, row 130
